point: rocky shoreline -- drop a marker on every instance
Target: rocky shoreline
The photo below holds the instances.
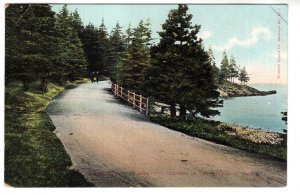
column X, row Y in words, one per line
column 254, row 135
column 227, row 90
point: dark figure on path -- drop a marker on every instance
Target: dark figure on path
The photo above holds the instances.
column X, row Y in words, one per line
column 91, row 76
column 97, row 76
column 94, row 76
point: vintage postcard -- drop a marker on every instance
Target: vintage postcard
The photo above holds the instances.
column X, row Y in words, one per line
column 146, row 95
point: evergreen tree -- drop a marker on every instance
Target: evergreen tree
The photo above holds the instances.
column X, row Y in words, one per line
column 90, row 41
column 71, row 58
column 211, row 57
column 225, row 71
column 125, row 56
column 31, row 43
column 15, row 69
column 233, row 69
column 116, row 49
column 77, row 23
column 243, row 77
column 136, row 58
column 103, row 50
column 212, row 62
column 181, row 72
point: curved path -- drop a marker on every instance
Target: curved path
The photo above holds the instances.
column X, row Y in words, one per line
column 113, row 145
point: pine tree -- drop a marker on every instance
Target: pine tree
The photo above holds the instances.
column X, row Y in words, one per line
column 116, row 49
column 103, row 49
column 31, row 49
column 77, row 23
column 136, row 58
column 125, row 56
column 71, row 58
column 90, row 41
column 15, row 68
column 225, row 71
column 78, row 58
column 233, row 69
column 181, row 72
column 243, row 77
column 211, row 57
column 212, row 62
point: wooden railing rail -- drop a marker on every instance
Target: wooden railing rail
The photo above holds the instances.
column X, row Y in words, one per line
column 137, row 101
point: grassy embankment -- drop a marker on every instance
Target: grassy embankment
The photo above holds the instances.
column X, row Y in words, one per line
column 268, row 143
column 34, row 156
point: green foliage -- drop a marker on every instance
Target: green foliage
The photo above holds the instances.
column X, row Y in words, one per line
column 71, row 62
column 103, row 50
column 90, row 41
column 212, row 62
column 30, row 42
column 230, row 70
column 182, row 72
column 34, row 156
column 136, row 58
column 77, row 23
column 29, row 101
column 116, row 49
column 233, row 69
column 97, row 50
column 225, row 71
column 243, row 77
column 40, row 46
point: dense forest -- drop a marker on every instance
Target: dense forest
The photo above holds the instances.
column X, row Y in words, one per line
column 44, row 46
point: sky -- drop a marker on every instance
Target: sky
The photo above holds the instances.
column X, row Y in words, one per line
column 249, row 33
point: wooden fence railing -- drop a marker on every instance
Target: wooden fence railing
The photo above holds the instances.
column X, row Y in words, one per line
column 137, row 101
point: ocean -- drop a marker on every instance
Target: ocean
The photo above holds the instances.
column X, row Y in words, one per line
column 257, row 111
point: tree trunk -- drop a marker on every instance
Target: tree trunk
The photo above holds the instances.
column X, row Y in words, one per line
column 25, row 85
column 182, row 111
column 172, row 110
column 44, row 85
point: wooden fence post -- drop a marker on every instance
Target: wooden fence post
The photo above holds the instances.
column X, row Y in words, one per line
column 133, row 99
column 140, row 103
column 147, row 111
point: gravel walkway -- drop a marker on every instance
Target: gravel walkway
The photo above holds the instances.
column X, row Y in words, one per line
column 113, row 145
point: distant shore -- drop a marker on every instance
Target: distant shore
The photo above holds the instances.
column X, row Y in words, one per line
column 229, row 89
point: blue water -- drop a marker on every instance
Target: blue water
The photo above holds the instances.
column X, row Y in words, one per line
column 258, row 111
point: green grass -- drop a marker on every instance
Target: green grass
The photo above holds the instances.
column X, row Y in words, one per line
column 34, row 156
column 218, row 132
